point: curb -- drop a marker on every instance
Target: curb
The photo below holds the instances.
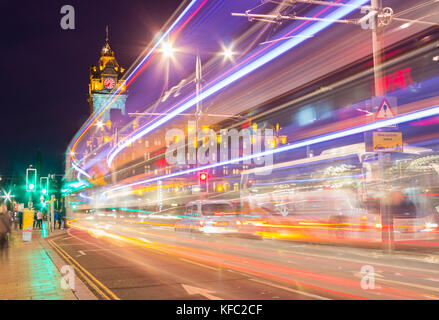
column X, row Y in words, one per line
column 81, row 291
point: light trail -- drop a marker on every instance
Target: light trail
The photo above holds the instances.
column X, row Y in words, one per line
column 252, row 266
column 328, row 137
column 134, row 75
column 215, row 88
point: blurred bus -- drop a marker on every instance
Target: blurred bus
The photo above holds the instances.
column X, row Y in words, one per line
column 337, row 196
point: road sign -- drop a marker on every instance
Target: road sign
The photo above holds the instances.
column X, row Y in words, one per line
column 384, row 107
column 387, row 141
column 384, row 111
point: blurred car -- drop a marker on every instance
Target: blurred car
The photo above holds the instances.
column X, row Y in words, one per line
column 209, row 216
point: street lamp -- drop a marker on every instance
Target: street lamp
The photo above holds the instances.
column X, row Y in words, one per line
column 8, row 196
column 228, row 53
column 167, row 49
column 100, row 124
column 168, row 52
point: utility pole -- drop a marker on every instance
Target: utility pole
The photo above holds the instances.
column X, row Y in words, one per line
column 383, row 157
column 52, row 213
column 198, row 111
column 198, row 80
column 378, row 17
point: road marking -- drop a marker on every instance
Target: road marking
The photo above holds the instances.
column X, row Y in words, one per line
column 201, row 291
column 290, row 289
column 354, row 260
column 419, row 286
column 85, row 274
column 360, row 275
column 431, row 279
column 199, row 264
column 159, row 228
column 81, row 252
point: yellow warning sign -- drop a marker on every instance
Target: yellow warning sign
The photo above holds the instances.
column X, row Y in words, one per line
column 387, row 141
column 28, row 221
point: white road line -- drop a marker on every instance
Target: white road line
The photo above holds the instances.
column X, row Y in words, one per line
column 409, row 284
column 364, row 262
column 199, row 264
column 81, row 252
column 290, row 289
column 159, row 228
column 103, row 249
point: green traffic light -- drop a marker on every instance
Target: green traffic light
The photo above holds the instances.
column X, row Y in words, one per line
column 31, row 186
column 44, row 191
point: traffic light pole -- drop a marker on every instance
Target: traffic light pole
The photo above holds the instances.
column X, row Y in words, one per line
column 52, row 213
column 383, row 157
column 29, row 204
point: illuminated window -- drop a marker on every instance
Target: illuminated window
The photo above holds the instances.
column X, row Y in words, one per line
column 306, row 115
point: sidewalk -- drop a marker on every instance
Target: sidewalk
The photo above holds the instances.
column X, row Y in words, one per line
column 31, row 271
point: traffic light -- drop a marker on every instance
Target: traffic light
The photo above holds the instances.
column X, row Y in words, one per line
column 44, row 185
column 31, row 179
column 203, row 178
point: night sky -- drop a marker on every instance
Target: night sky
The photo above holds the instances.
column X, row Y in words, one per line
column 45, row 70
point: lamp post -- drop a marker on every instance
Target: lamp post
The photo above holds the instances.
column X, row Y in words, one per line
column 168, row 52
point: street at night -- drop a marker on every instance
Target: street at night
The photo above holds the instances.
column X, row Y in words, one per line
column 225, row 158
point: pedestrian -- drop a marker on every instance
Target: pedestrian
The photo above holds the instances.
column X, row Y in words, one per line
column 62, row 218
column 15, row 213
column 10, row 215
column 39, row 219
column 35, row 220
column 5, row 229
column 56, row 219
column 20, row 219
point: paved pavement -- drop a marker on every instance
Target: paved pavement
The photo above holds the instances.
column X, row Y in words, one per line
column 31, row 271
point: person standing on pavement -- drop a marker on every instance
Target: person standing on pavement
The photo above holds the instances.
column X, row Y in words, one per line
column 20, row 219
column 35, row 220
column 15, row 215
column 55, row 220
column 39, row 219
column 5, row 229
column 62, row 218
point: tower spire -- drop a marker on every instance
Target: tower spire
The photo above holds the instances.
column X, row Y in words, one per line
column 106, row 49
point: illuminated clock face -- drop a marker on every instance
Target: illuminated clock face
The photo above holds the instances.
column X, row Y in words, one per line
column 109, row 83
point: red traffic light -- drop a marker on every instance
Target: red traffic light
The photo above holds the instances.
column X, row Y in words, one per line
column 203, row 176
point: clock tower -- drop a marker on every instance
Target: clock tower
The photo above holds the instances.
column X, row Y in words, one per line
column 104, row 79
